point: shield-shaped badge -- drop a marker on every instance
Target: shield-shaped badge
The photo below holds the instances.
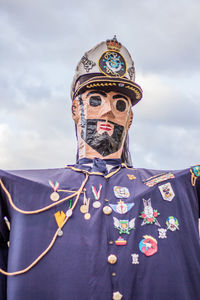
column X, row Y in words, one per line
column 167, row 191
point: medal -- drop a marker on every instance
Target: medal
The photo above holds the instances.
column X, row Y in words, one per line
column 60, row 218
column 87, row 216
column 83, row 209
column 96, row 204
column 97, row 195
column 60, row 232
column 69, row 213
column 54, row 196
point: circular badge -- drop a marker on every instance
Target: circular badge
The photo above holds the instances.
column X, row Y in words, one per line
column 87, row 216
column 148, row 245
column 96, row 204
column 54, row 196
column 112, row 63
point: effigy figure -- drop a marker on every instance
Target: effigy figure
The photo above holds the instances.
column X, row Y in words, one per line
column 101, row 229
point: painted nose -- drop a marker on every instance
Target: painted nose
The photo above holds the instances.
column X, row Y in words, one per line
column 107, row 110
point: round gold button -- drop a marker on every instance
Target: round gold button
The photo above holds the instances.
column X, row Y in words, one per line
column 107, row 210
column 110, row 242
column 112, row 259
column 114, row 274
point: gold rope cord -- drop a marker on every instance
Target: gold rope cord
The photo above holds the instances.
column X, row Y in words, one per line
column 54, row 237
column 27, row 212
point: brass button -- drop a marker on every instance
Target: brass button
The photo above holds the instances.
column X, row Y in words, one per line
column 117, row 296
column 111, row 242
column 107, row 210
column 106, row 200
column 114, row 274
column 112, row 259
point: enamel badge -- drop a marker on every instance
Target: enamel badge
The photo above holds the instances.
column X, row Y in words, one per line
column 135, row 260
column 148, row 245
column 162, row 233
column 120, row 242
column 149, row 215
column 172, row 223
column 124, row 226
column 167, row 191
column 121, row 207
column 121, row 192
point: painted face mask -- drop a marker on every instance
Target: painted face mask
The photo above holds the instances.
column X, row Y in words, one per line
column 102, row 122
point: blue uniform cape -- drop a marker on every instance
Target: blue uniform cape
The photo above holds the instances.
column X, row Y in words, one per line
column 144, row 245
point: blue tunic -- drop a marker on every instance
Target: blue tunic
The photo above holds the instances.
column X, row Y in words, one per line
column 140, row 241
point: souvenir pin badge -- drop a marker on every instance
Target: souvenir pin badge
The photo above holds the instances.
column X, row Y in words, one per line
column 131, row 177
column 121, row 207
column 60, row 217
column 54, row 196
column 121, row 192
column 149, row 215
column 135, row 260
column 167, row 191
column 172, row 223
column 124, row 226
column 97, row 203
column 148, row 245
column 162, row 233
column 120, row 241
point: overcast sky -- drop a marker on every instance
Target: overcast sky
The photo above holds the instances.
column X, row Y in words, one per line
column 42, row 41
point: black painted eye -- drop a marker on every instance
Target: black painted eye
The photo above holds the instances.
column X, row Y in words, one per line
column 95, row 101
column 121, row 105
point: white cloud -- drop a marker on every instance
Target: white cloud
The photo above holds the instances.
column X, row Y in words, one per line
column 41, row 43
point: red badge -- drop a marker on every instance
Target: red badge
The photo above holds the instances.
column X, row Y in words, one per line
column 148, row 245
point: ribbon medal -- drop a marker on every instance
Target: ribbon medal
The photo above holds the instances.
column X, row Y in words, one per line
column 149, row 215
column 60, row 217
column 124, row 226
column 121, row 192
column 97, row 203
column 148, row 245
column 54, row 196
column 172, row 223
column 122, row 207
column 167, row 191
